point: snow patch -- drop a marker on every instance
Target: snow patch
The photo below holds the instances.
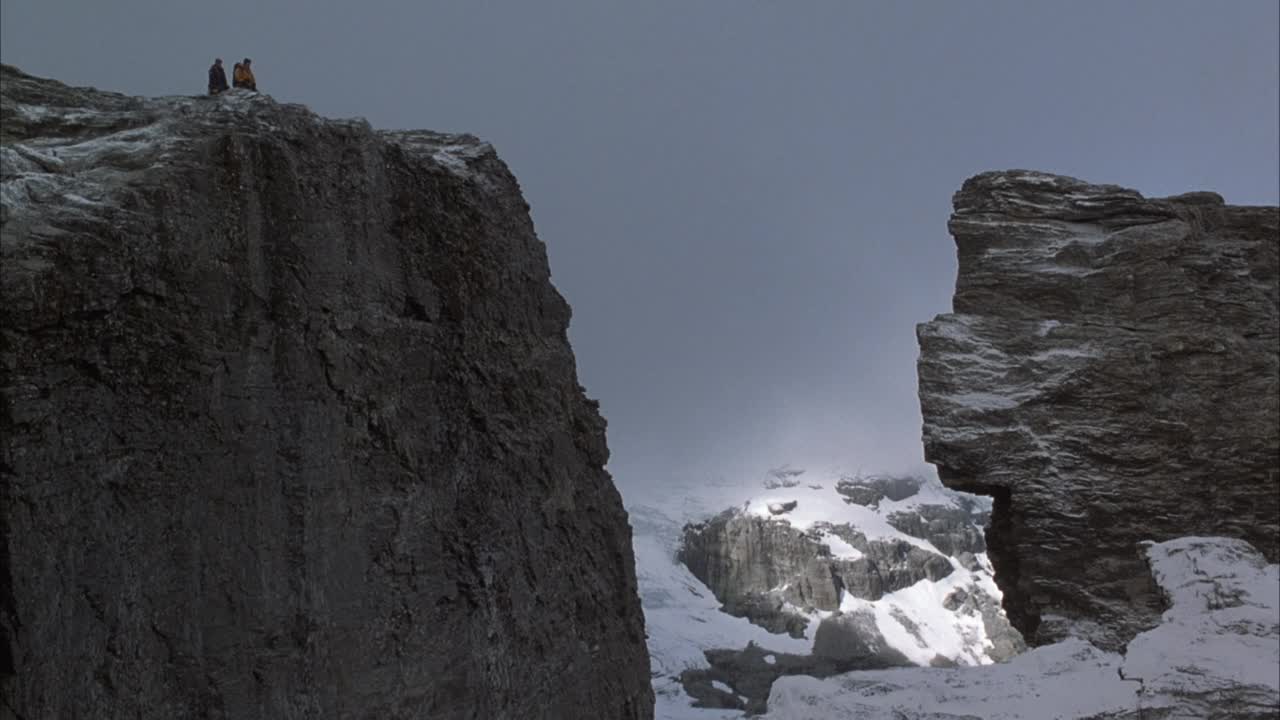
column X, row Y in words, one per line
column 934, row 629
column 839, row 548
column 1068, row 680
column 1219, row 642
column 683, row 617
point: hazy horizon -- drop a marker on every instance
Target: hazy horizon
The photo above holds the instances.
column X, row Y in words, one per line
column 745, row 204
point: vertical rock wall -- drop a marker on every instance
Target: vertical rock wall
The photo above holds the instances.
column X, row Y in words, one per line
column 292, row 427
column 1111, row 374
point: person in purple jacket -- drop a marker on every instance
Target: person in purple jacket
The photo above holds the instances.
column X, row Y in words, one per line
column 217, row 77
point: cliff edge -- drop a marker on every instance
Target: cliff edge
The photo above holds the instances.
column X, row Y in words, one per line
column 291, row 426
column 1110, row 373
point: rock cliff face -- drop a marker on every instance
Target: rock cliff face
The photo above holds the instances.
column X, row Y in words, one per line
column 835, row 573
column 1111, row 375
column 1215, row 655
column 292, row 427
column 770, row 572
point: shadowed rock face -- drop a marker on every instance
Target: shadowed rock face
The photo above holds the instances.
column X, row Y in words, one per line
column 291, row 427
column 870, row 491
column 843, row 643
column 1110, row 374
column 953, row 530
column 756, row 566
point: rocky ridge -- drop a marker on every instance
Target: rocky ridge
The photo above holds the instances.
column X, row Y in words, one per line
column 1110, row 374
column 291, row 426
column 773, row 574
column 1215, row 655
column 796, row 579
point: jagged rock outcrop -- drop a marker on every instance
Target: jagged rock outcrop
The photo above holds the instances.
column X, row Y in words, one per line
column 741, row 679
column 886, row 565
column 765, row 570
column 1214, row 655
column 291, row 427
column 1006, row 641
column 757, row 566
column 869, row 491
column 953, row 530
column 853, row 638
column 1110, row 374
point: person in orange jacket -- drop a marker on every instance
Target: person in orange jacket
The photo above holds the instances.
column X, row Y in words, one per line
column 242, row 76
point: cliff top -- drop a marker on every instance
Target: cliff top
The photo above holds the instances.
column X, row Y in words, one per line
column 1029, row 194
column 290, row 426
column 66, row 129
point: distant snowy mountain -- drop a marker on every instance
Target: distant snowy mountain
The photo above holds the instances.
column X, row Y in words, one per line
column 799, row 572
column 1216, row 654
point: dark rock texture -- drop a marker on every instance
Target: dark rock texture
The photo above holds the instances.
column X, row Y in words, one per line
column 887, row 565
column 850, row 642
column 854, row 640
column 1110, row 374
column 756, row 566
column 291, row 427
column 869, row 491
column 953, row 530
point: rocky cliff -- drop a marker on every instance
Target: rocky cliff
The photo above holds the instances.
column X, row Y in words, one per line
column 833, row 572
column 771, row 573
column 1111, row 375
column 292, row 427
column 1214, row 656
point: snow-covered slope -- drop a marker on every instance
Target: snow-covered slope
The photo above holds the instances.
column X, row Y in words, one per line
column 1216, row 654
column 684, row 618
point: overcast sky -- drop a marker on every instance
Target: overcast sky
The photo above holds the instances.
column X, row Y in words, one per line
column 745, row 202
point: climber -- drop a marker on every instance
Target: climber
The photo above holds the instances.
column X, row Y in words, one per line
column 242, row 77
column 217, row 77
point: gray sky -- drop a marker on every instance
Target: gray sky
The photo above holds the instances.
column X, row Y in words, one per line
column 745, row 202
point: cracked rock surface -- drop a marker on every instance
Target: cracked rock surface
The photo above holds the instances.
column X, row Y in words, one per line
column 1111, row 375
column 291, row 426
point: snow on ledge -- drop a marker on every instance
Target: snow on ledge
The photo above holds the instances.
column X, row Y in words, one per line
column 1219, row 643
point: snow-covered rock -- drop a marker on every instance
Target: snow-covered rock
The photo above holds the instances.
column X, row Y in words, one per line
column 830, row 584
column 1215, row 654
